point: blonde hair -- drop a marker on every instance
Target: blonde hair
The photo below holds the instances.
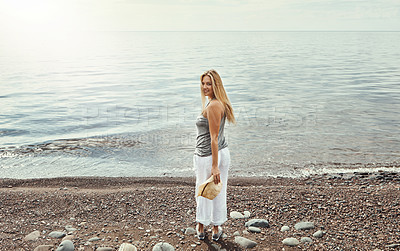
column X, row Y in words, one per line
column 219, row 93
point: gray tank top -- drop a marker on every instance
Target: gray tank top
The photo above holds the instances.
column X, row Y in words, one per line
column 203, row 140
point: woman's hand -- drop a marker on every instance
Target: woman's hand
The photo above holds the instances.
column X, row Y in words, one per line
column 216, row 173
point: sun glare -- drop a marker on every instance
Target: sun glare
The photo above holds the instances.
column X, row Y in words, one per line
column 25, row 16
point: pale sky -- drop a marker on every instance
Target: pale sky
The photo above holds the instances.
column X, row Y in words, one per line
column 199, row 15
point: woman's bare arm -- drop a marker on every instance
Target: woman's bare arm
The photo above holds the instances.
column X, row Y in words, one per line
column 215, row 111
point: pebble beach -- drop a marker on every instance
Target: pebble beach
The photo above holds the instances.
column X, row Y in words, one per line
column 344, row 211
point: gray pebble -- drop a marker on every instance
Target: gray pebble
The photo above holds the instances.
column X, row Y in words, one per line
column 285, row 228
column 32, row 236
column 66, row 245
column 57, row 234
column 244, row 242
column 318, row 234
column 236, row 233
column 94, row 239
column 254, row 229
column 163, row 246
column 304, row 225
column 70, row 229
column 257, row 223
column 105, row 249
column 190, row 230
column 305, row 240
column 246, row 214
column 291, row 242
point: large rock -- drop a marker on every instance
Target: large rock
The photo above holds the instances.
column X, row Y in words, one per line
column 127, row 247
column 236, row 215
column 305, row 225
column 163, row 246
column 291, row 242
column 257, row 223
column 244, row 242
column 66, row 245
column 57, row 234
column 32, row 236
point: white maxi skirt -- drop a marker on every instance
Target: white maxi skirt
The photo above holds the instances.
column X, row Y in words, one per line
column 212, row 212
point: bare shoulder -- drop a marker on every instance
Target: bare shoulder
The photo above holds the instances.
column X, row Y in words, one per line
column 215, row 107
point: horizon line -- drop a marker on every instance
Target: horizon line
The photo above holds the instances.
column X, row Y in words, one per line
column 248, row 30
column 68, row 31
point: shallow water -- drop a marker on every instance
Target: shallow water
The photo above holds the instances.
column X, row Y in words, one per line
column 125, row 103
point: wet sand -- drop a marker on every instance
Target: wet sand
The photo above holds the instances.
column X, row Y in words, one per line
column 358, row 211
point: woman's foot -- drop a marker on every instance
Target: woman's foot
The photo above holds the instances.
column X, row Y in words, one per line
column 200, row 231
column 217, row 233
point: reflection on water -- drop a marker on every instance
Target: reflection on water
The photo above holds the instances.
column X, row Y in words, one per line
column 124, row 104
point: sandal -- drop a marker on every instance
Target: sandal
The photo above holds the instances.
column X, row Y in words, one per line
column 216, row 236
column 201, row 235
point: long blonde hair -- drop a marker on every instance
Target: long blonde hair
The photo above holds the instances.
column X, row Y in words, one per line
column 219, row 93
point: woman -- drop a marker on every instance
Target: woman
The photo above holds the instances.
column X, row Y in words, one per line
column 212, row 154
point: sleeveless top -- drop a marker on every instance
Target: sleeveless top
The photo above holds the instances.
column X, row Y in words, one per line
column 203, row 140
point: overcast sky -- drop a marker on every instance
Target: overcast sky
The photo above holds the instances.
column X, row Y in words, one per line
column 199, row 15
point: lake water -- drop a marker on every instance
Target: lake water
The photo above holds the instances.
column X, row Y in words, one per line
column 125, row 103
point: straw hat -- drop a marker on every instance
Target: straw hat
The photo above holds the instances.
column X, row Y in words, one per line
column 209, row 189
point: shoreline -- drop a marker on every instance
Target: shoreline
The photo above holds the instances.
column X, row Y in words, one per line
column 358, row 210
column 110, row 182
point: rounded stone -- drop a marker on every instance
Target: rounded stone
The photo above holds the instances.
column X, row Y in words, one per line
column 104, row 249
column 57, row 234
column 244, row 242
column 257, row 223
column 66, row 245
column 304, row 225
column 163, row 246
column 127, row 247
column 291, row 242
column 94, row 239
column 305, row 240
column 32, row 236
column 44, row 248
column 236, row 215
column 190, row 230
column 318, row 234
column 246, row 214
column 285, row 228
column 68, row 237
column 254, row 229
column 70, row 229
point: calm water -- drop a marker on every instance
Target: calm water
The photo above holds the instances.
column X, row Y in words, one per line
column 125, row 103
